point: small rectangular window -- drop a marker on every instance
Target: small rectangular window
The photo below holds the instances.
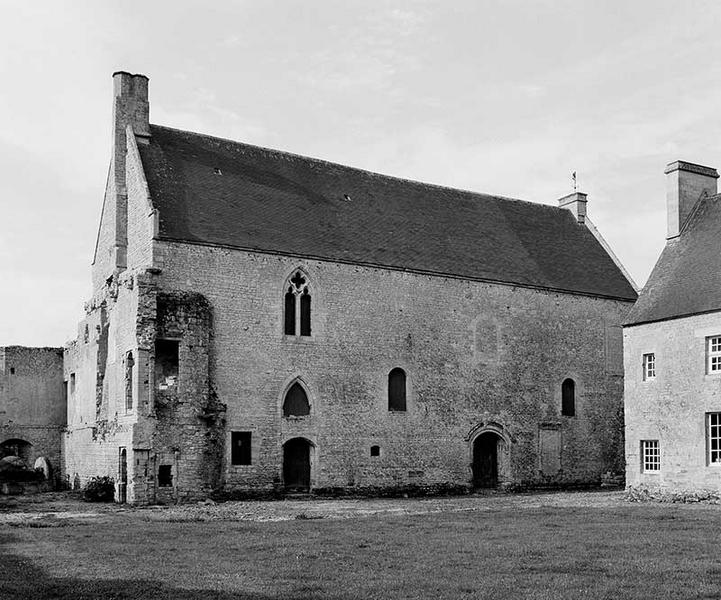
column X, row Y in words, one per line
column 713, row 438
column 713, row 354
column 240, row 447
column 165, row 475
column 649, row 366
column 650, row 456
column 72, row 383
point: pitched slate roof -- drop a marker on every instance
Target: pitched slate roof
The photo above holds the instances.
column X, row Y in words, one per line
column 213, row 191
column 687, row 277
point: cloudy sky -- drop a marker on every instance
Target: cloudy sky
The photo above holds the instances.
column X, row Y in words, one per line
column 505, row 97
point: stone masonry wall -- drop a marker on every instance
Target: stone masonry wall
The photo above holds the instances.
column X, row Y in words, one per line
column 32, row 401
column 477, row 356
column 99, row 425
column 672, row 407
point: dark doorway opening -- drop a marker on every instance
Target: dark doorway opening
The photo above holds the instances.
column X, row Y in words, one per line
column 485, row 460
column 296, row 465
column 123, row 476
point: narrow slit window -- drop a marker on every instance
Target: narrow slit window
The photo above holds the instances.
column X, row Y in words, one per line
column 568, row 398
column 305, row 313
column 397, row 390
column 290, row 312
column 129, row 365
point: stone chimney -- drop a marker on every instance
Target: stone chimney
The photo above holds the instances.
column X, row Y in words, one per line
column 131, row 105
column 576, row 203
column 686, row 183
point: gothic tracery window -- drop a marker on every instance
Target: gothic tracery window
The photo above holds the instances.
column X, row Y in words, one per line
column 297, row 306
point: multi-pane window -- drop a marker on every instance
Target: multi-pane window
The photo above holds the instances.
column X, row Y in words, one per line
column 713, row 354
column 650, row 455
column 649, row 366
column 714, row 438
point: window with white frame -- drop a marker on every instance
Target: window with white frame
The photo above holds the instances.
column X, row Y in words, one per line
column 650, row 456
column 649, row 366
column 713, row 354
column 713, row 435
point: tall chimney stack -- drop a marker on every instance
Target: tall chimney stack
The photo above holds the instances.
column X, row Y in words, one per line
column 686, row 184
column 131, row 106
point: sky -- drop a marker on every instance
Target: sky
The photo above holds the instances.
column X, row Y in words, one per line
column 504, row 97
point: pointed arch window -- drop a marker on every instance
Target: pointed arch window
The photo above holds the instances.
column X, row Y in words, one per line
column 397, row 390
column 295, row 403
column 568, row 398
column 297, row 306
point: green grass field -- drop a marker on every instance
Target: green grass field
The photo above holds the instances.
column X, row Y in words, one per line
column 502, row 551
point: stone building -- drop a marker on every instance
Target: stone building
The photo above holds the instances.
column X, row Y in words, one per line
column 32, row 405
column 262, row 320
column 672, row 346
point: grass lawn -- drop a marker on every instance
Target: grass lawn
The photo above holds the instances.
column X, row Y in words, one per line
column 503, row 551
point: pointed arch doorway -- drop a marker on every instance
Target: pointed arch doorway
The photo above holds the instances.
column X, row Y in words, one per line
column 296, row 464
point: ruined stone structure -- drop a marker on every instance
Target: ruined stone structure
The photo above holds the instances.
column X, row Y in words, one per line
column 672, row 345
column 263, row 321
column 32, row 405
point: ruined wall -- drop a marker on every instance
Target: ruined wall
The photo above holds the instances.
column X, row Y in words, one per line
column 476, row 355
column 99, row 422
column 32, row 402
column 672, row 406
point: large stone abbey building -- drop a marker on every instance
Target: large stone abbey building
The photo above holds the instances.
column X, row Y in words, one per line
column 262, row 320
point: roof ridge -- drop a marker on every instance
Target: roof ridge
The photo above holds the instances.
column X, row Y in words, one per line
column 322, row 161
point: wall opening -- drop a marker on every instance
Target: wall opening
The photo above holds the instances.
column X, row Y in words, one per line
column 165, row 475
column 485, row 460
column 397, row 390
column 296, row 465
column 240, row 442
column 17, row 447
column 122, row 475
column 375, row 450
column 296, row 402
column 568, row 398
column 129, row 364
column 166, row 363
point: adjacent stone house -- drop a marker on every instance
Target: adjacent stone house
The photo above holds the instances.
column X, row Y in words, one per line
column 262, row 320
column 672, row 346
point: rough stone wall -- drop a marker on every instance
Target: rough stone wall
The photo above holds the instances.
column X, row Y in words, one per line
column 32, row 401
column 98, row 423
column 476, row 355
column 671, row 407
column 185, row 431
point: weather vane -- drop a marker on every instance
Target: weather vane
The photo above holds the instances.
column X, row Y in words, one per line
column 573, row 178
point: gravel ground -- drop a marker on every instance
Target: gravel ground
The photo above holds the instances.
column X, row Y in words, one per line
column 63, row 508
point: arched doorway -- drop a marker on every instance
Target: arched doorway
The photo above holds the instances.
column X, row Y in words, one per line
column 296, row 464
column 17, row 447
column 485, row 460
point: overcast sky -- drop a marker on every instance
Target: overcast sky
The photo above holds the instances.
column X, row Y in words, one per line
column 505, row 97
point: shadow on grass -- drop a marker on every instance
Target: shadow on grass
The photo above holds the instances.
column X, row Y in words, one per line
column 21, row 578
